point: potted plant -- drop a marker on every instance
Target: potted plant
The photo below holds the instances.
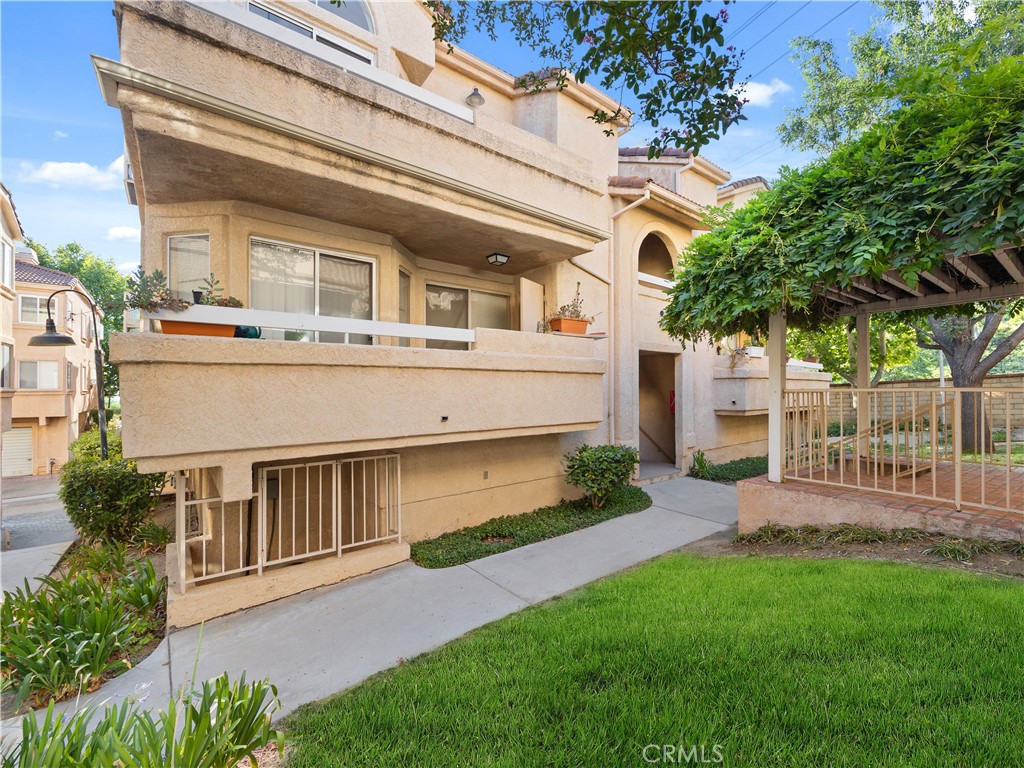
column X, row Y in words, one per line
column 150, row 293
column 755, row 348
column 570, row 318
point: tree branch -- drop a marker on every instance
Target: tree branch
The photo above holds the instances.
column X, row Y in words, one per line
column 1005, row 347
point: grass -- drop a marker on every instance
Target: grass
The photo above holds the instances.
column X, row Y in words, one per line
column 731, row 471
column 511, row 531
column 780, row 662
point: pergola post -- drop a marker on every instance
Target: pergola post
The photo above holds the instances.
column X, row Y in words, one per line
column 776, row 394
column 863, row 382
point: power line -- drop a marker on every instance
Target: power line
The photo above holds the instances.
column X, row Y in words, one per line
column 768, row 34
column 750, row 21
column 772, row 140
column 775, row 61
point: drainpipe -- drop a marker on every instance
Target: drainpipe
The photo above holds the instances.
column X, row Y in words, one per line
column 611, row 315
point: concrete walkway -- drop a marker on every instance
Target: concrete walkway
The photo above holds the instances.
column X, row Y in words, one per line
column 17, row 565
column 326, row 640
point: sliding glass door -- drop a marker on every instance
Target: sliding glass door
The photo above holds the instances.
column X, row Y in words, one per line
column 464, row 308
column 290, row 278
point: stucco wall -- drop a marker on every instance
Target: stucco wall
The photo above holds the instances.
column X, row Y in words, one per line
column 58, row 415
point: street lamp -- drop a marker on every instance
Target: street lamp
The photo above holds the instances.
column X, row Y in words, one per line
column 50, row 338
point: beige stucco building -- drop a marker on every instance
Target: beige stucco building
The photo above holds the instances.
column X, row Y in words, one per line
column 55, row 386
column 349, row 180
column 10, row 234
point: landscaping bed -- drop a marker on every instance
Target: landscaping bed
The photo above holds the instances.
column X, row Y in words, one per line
column 97, row 615
column 731, row 472
column 905, row 545
column 764, row 661
column 512, row 531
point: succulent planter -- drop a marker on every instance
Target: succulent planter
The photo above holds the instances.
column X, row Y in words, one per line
column 569, row 325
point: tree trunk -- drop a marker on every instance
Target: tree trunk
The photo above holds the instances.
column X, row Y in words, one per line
column 974, row 422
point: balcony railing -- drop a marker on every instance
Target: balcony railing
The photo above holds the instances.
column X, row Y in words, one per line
column 954, row 445
column 342, row 327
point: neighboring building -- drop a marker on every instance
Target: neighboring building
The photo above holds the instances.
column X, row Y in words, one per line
column 348, row 180
column 56, row 386
column 9, row 235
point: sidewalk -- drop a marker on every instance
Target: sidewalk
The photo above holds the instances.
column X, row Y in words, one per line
column 16, row 565
column 323, row 641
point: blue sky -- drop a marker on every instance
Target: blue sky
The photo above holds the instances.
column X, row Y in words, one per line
column 59, row 142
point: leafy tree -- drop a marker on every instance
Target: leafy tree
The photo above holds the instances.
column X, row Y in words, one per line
column 104, row 283
column 940, row 176
column 889, row 200
column 670, row 56
column 893, row 343
column 840, row 103
column 99, row 276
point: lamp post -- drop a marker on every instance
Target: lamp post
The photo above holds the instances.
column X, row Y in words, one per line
column 50, row 338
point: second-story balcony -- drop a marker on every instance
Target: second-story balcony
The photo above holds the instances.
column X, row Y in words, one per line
column 189, row 401
column 249, row 118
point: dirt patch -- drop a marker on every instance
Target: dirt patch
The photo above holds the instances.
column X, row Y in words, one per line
column 497, row 539
column 987, row 563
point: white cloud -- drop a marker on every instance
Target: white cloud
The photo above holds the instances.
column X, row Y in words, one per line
column 128, row 267
column 123, row 233
column 762, row 94
column 58, row 135
column 66, row 174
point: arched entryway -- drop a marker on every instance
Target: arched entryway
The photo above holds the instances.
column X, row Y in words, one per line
column 655, row 258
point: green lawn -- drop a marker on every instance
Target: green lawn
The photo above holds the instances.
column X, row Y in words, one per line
column 781, row 662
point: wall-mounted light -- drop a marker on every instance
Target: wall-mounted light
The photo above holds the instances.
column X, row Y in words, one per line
column 498, row 259
column 475, row 99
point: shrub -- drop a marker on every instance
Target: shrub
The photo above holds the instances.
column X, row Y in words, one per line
column 151, row 536
column 108, row 500
column 219, row 726
column 87, row 446
column 600, row 469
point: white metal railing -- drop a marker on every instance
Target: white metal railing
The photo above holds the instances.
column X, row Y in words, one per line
column 959, row 445
column 299, row 512
column 289, row 321
column 308, row 510
column 214, row 538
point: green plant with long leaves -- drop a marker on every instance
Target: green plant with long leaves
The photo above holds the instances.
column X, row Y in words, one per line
column 220, row 725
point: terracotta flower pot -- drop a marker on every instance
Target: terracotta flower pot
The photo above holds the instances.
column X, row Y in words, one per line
column 184, row 328
column 569, row 325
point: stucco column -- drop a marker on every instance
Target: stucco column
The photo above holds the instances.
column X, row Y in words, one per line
column 863, row 381
column 776, row 394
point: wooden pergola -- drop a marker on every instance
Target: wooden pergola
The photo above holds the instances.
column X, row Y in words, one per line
column 979, row 277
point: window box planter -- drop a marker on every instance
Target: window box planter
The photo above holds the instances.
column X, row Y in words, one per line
column 569, row 325
column 186, row 328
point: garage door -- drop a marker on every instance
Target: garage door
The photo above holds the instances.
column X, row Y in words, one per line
column 17, row 458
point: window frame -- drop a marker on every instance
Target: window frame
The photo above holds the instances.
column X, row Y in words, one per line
column 167, row 254
column 7, row 366
column 317, row 251
column 316, row 34
column 56, row 376
column 40, row 301
column 469, row 300
column 7, row 265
